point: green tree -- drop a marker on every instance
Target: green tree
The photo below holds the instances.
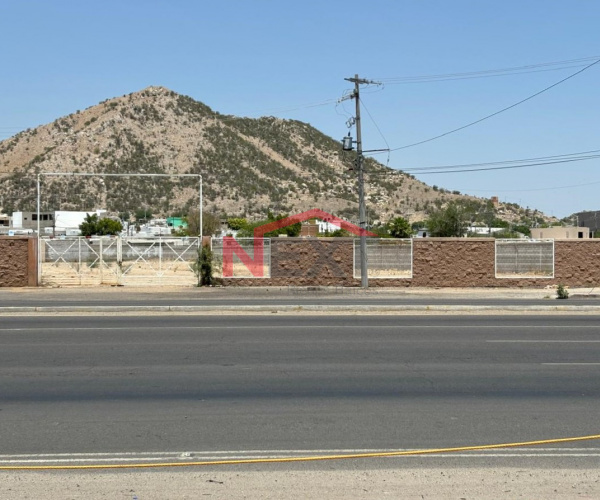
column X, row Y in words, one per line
column 399, row 228
column 381, row 231
column 522, row 228
column 500, row 223
column 418, row 225
column 340, row 233
column 93, row 225
column 449, row 221
column 108, row 226
column 89, row 225
column 125, row 216
column 210, row 223
column 143, row 215
column 292, row 230
column 236, row 223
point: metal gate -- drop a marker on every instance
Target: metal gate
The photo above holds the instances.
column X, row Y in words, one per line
column 118, row 261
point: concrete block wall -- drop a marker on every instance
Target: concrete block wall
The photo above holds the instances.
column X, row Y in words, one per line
column 577, row 262
column 437, row 262
column 18, row 261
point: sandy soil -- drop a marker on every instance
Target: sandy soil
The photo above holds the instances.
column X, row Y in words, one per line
column 419, row 484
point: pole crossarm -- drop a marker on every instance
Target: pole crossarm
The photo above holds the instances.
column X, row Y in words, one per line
column 362, row 81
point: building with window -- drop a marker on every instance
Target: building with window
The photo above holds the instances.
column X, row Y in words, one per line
column 560, row 233
column 29, row 220
column 57, row 222
column 590, row 220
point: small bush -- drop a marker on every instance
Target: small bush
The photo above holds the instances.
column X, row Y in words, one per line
column 562, row 292
column 203, row 267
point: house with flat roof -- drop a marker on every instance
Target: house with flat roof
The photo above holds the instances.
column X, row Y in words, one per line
column 58, row 221
column 29, row 220
column 560, row 233
column 589, row 219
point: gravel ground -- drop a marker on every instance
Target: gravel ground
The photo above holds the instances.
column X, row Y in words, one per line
column 279, row 292
column 464, row 483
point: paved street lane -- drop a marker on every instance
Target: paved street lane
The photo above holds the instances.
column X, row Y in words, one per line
column 271, row 384
column 346, row 297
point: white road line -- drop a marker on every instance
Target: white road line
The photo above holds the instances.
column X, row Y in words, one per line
column 571, row 364
column 543, row 341
column 258, row 457
column 503, row 455
column 68, row 458
column 345, row 327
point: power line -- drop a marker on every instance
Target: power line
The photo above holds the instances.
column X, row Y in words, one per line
column 485, row 169
column 497, row 112
column 378, row 129
column 476, row 77
column 505, row 162
column 507, row 167
column 531, row 68
column 531, row 190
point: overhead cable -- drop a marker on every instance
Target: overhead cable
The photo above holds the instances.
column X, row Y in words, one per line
column 497, row 165
column 497, row 112
column 531, row 68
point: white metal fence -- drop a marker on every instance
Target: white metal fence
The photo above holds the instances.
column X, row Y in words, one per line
column 524, row 258
column 387, row 258
column 253, row 266
column 118, row 261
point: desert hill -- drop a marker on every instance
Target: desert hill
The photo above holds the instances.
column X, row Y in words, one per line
column 248, row 166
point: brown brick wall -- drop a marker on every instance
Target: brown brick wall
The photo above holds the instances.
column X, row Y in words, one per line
column 437, row 262
column 577, row 262
column 18, row 263
column 457, row 261
column 306, row 262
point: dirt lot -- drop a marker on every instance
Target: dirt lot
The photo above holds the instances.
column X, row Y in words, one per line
column 281, row 485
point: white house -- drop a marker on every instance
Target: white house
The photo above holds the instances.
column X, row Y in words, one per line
column 484, row 230
column 326, row 226
column 60, row 221
column 64, row 220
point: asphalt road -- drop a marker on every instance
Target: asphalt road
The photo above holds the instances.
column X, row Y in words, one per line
column 192, row 387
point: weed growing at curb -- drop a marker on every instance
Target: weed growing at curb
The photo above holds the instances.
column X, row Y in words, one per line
column 562, row 292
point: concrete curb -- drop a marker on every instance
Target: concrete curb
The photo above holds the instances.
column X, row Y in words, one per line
column 365, row 309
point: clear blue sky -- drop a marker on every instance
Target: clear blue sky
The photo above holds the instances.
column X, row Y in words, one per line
column 263, row 57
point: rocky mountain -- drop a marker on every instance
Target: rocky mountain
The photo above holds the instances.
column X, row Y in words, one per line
column 248, row 166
